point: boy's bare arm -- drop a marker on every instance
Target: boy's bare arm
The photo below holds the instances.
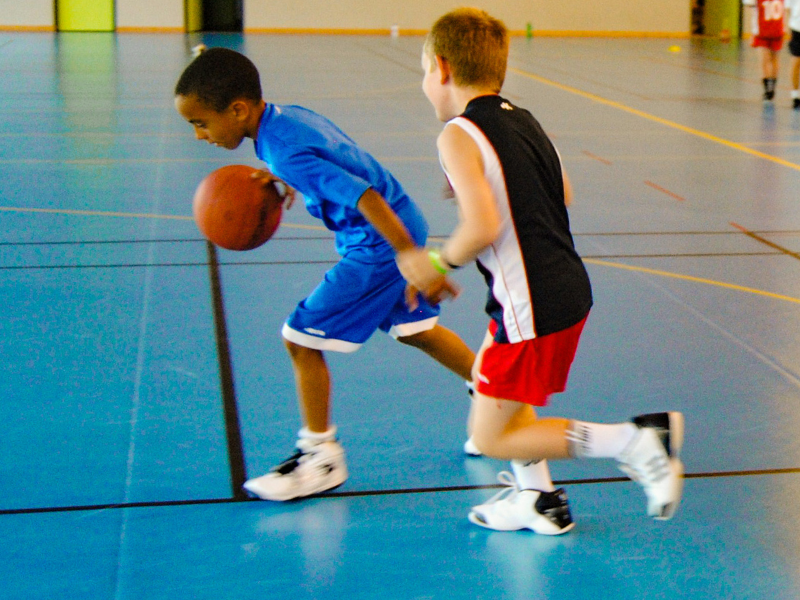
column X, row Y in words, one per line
column 567, row 187
column 381, row 216
column 432, row 284
column 479, row 219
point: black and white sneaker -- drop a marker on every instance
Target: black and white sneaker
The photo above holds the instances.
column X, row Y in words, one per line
column 313, row 468
column 512, row 509
column 652, row 459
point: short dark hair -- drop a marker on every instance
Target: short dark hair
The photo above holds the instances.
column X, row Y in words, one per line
column 218, row 76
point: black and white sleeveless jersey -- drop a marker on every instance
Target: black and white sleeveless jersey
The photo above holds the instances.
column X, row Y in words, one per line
column 537, row 282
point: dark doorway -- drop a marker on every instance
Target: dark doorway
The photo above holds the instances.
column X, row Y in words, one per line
column 223, row 15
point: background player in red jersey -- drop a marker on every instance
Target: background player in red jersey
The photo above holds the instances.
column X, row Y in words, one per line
column 768, row 32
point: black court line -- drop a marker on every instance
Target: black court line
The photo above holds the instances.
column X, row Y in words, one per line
column 368, row 493
column 254, row 263
column 233, row 430
column 432, row 237
column 766, row 242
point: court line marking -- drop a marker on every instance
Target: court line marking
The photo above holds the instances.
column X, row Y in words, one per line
column 731, row 286
column 278, row 263
column 359, row 494
column 605, row 161
column 640, row 113
column 770, row 361
column 126, row 215
column 765, row 241
column 655, row 186
column 230, row 409
column 320, row 228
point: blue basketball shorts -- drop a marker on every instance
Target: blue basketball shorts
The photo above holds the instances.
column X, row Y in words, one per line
column 353, row 300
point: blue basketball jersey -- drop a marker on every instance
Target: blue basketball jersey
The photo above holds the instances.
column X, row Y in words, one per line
column 312, row 155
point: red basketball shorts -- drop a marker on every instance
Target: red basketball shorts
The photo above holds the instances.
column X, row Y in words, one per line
column 531, row 370
column 774, row 44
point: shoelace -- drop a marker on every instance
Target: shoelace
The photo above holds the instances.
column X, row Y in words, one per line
column 649, row 473
column 511, row 489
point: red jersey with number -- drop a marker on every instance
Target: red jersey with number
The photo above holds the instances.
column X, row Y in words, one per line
column 768, row 19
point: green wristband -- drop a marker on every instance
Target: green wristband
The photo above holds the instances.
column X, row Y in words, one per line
column 436, row 260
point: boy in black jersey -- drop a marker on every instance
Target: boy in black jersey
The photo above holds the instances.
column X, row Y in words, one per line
column 512, row 193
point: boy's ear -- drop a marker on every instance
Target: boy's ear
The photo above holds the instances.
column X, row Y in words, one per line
column 444, row 69
column 241, row 109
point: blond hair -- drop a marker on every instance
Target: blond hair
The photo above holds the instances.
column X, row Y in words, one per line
column 475, row 45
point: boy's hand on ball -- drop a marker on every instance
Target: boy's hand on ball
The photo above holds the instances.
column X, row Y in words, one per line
column 286, row 193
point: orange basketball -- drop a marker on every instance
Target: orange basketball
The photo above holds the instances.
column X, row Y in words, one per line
column 236, row 211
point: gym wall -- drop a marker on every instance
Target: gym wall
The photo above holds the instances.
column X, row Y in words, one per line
column 576, row 17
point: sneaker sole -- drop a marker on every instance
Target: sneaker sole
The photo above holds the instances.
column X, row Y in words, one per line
column 669, row 510
column 253, row 490
column 677, row 426
column 476, row 519
column 672, row 440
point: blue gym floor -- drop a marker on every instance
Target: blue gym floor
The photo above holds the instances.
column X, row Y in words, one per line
column 143, row 375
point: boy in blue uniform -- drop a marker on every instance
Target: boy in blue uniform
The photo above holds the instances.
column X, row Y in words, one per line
column 373, row 220
column 512, row 193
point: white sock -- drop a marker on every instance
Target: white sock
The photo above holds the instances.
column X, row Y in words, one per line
column 532, row 475
column 326, row 436
column 795, row 94
column 595, row 440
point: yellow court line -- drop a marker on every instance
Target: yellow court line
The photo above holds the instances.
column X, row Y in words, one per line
column 648, row 116
column 100, row 213
column 104, row 213
column 93, row 213
column 108, row 161
column 691, row 278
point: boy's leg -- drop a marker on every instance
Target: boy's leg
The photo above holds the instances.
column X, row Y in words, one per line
column 339, row 315
column 318, row 463
column 647, row 449
column 312, row 380
column 511, row 430
column 445, row 347
column 449, row 350
column 767, row 62
column 769, row 70
column 795, row 74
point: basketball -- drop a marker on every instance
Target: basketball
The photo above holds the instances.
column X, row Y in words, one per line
column 235, row 210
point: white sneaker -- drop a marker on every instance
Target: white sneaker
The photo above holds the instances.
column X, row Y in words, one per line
column 512, row 509
column 652, row 459
column 314, row 468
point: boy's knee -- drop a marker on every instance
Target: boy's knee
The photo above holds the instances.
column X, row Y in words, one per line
column 296, row 350
column 417, row 340
column 487, row 443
